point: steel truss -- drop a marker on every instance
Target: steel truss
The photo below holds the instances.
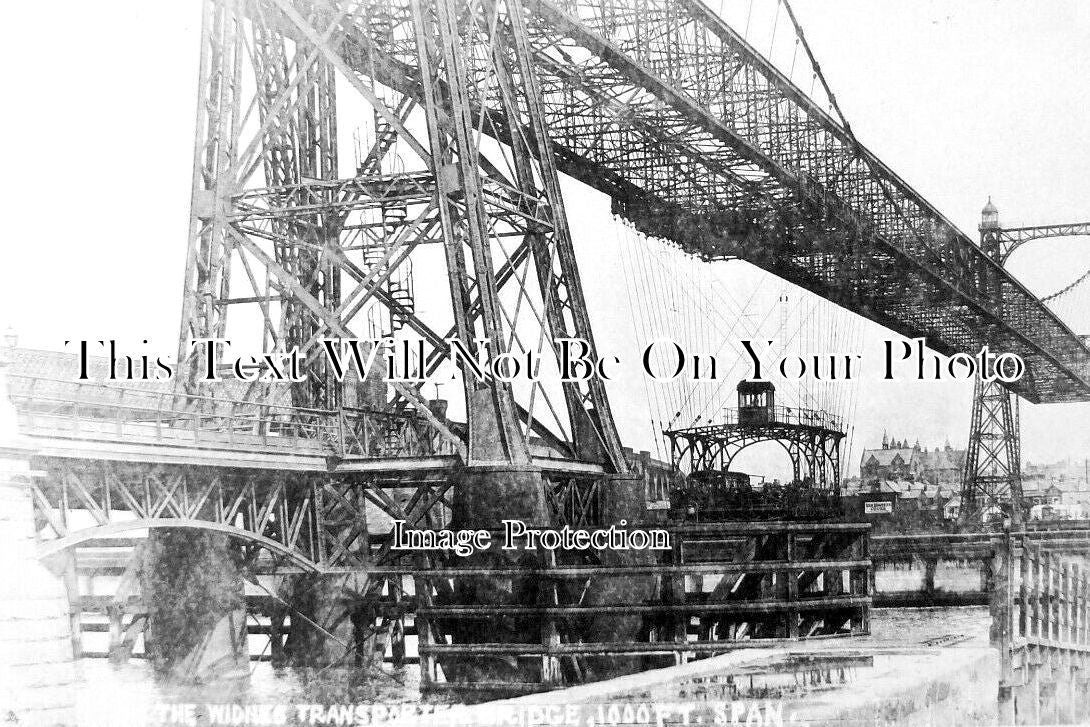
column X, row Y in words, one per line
column 1004, row 241
column 289, row 517
column 700, row 140
column 312, row 521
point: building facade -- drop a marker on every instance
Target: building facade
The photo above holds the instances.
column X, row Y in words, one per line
column 897, row 460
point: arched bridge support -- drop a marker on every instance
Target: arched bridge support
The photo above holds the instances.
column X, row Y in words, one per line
column 210, row 528
column 814, row 448
column 308, row 519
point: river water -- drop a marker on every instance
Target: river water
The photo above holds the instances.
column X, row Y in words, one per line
column 128, row 695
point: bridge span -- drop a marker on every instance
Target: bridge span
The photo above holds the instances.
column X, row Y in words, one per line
column 273, row 474
column 477, row 107
column 714, row 148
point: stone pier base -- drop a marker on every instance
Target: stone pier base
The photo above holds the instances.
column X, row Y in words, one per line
column 625, row 501
column 323, row 614
column 37, row 671
column 196, row 607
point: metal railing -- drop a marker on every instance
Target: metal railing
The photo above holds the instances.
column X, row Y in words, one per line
column 81, row 408
column 791, row 415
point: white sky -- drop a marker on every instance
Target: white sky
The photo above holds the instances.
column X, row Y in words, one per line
column 963, row 99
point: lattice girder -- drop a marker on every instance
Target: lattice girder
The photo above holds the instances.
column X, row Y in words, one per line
column 670, row 112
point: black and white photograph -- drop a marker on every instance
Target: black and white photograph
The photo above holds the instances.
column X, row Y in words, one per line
column 545, row 363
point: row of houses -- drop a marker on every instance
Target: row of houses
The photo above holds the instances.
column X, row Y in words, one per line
column 917, row 479
column 887, row 497
column 1046, row 499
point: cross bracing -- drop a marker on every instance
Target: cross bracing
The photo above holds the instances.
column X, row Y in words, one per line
column 700, row 140
column 316, row 251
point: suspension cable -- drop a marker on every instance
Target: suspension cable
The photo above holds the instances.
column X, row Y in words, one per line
column 817, row 71
column 1079, row 281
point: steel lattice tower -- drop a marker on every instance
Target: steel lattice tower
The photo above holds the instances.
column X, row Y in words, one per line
column 993, row 474
column 296, row 250
column 993, row 471
column 992, row 479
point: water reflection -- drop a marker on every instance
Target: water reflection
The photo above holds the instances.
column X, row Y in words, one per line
column 785, row 678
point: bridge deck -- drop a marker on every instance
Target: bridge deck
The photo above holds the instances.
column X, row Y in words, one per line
column 109, row 422
column 135, row 442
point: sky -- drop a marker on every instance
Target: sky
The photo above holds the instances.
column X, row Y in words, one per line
column 963, row 99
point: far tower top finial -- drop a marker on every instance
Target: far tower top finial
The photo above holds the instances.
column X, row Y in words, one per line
column 989, row 216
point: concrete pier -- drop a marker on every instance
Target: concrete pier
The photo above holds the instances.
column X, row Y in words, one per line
column 37, row 672
column 624, row 501
column 483, row 498
column 324, row 618
column 196, row 607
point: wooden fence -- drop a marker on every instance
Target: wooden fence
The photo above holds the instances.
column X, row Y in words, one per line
column 1040, row 610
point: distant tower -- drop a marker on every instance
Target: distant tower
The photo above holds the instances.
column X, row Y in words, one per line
column 992, row 477
column 993, row 471
column 885, row 440
column 989, row 230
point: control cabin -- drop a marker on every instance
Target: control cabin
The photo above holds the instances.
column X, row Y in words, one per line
column 756, row 403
